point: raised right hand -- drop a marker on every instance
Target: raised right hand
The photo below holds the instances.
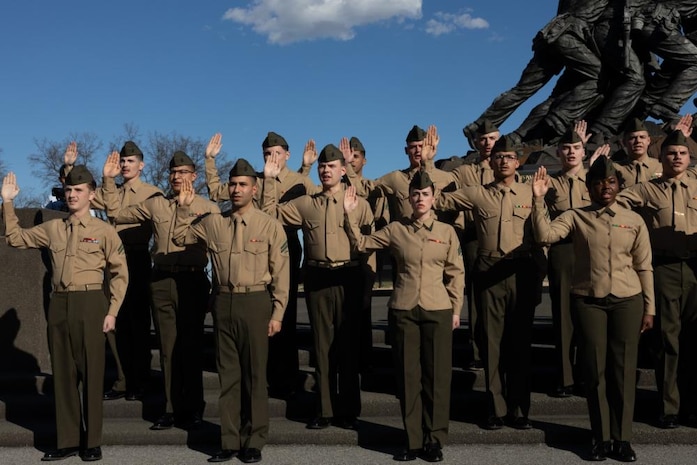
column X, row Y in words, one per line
column 540, row 182
column 111, row 165
column 10, row 189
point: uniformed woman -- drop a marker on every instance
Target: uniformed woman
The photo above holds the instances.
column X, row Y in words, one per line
column 424, row 309
column 612, row 300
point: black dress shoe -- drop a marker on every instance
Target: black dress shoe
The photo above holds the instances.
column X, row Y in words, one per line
column 189, row 421
column 406, row 455
column 319, row 423
column 166, row 421
column 668, row 421
column 111, row 394
column 622, row 451
column 346, row 422
column 223, row 455
column 520, row 423
column 91, row 455
column 493, row 423
column 60, row 454
column 599, row 451
column 136, row 394
column 250, row 455
column 563, row 392
column 432, row 453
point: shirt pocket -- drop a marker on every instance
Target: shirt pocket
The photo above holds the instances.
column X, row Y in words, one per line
column 219, row 248
column 311, row 228
column 489, row 221
column 256, row 255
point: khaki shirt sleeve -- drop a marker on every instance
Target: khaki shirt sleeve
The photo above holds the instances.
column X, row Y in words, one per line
column 459, row 200
column 216, row 190
column 446, row 177
column 279, row 267
column 185, row 232
column 305, row 169
column 118, row 270
column 546, row 231
column 632, row 197
column 365, row 243
column 454, row 274
column 31, row 238
column 132, row 214
column 287, row 213
column 641, row 255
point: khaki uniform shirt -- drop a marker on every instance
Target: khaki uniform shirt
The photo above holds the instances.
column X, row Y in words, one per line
column 99, row 250
column 162, row 212
column 636, row 171
column 611, row 246
column 567, row 191
column 262, row 259
column 653, row 200
column 290, row 185
column 133, row 192
column 430, row 269
column 310, row 213
column 485, row 202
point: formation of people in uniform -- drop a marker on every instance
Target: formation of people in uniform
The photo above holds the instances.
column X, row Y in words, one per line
column 615, row 238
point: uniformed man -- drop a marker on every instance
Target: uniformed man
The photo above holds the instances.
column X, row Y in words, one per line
column 639, row 167
column 477, row 173
column 283, row 349
column 333, row 284
column 612, row 300
column 82, row 249
column 179, row 289
column 249, row 253
column 567, row 190
column 369, row 263
column 424, row 309
column 132, row 334
column 668, row 205
column 394, row 186
column 506, row 283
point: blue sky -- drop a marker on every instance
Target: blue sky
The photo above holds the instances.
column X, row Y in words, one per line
column 318, row 69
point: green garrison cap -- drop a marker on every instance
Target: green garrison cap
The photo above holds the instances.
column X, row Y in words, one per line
column 570, row 137
column 674, row 138
column 505, row 144
column 180, row 159
column 242, row 168
column 356, row 144
column 272, row 140
column 416, row 134
column 602, row 168
column 485, row 127
column 79, row 175
column 330, row 153
column 635, row 125
column 130, row 148
column 421, row 180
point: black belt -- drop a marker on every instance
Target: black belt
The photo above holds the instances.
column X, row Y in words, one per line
column 177, row 268
column 332, row 265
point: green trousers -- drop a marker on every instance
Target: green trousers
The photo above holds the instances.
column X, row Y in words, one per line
column 422, row 350
column 608, row 334
column 676, row 330
column 560, row 271
column 76, row 342
column 242, row 347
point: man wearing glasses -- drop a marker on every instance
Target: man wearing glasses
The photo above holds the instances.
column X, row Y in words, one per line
column 506, row 283
column 179, row 288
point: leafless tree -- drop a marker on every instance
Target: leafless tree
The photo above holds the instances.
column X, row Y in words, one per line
column 48, row 158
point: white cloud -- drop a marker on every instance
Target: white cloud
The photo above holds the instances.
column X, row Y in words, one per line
column 286, row 21
column 445, row 23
